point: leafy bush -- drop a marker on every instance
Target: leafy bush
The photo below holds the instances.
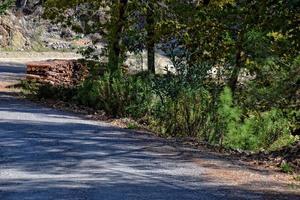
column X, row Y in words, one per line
column 5, row 4
column 187, row 115
column 116, row 95
column 182, row 100
column 265, row 129
column 276, row 85
column 286, row 168
column 55, row 92
column 47, row 91
column 229, row 121
column 29, row 88
column 254, row 130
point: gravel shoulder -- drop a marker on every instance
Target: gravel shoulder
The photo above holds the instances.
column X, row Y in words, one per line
column 51, row 154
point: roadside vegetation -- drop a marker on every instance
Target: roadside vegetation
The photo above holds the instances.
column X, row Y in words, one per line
column 4, row 5
column 234, row 79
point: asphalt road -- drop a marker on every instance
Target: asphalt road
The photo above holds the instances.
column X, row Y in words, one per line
column 48, row 154
column 11, row 72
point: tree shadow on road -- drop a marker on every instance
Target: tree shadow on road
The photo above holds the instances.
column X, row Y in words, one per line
column 45, row 154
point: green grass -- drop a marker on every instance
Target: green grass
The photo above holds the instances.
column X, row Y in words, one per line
column 132, row 125
column 286, row 168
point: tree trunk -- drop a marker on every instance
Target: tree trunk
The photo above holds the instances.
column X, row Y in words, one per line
column 20, row 4
column 115, row 37
column 206, row 2
column 150, row 38
column 233, row 81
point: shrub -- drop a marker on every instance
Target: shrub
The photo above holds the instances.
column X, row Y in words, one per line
column 47, row 91
column 183, row 102
column 56, row 92
column 286, row 168
column 116, row 95
column 29, row 88
column 275, row 85
column 256, row 130
column 229, row 121
column 264, row 129
column 86, row 93
column 185, row 115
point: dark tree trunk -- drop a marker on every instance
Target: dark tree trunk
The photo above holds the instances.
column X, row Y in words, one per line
column 150, row 38
column 235, row 73
column 233, row 81
column 117, row 24
column 206, row 2
column 20, row 4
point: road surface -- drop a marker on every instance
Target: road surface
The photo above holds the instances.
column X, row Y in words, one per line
column 47, row 154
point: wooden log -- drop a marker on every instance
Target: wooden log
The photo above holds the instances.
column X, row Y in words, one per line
column 57, row 72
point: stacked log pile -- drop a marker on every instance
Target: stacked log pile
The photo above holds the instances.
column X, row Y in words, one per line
column 57, row 72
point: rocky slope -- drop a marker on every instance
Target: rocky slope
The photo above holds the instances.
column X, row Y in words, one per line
column 12, row 32
column 27, row 30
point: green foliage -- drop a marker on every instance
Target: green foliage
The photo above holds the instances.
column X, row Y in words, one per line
column 55, row 92
column 186, row 115
column 286, row 168
column 46, row 91
column 132, row 125
column 253, row 130
column 229, row 37
column 282, row 141
column 29, row 88
column 185, row 112
column 262, row 130
column 229, row 121
column 276, row 84
column 117, row 95
column 4, row 5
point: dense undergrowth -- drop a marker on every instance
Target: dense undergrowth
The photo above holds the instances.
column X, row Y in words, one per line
column 253, row 118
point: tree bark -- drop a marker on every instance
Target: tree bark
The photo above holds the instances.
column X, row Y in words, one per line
column 150, row 37
column 235, row 73
column 115, row 37
column 20, row 4
column 233, row 81
column 206, row 2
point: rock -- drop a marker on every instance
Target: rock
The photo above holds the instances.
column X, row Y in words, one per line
column 18, row 41
column 4, row 37
column 96, row 38
column 11, row 32
column 58, row 45
column 67, row 33
column 30, row 31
